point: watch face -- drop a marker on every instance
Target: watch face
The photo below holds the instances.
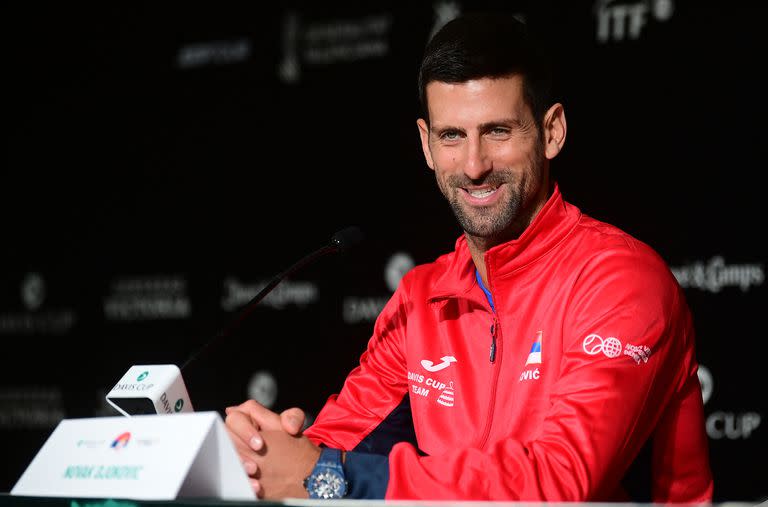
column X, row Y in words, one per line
column 326, row 484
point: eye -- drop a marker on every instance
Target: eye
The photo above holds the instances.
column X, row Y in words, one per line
column 499, row 131
column 450, row 135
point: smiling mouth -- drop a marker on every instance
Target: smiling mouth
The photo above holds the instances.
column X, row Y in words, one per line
column 480, row 193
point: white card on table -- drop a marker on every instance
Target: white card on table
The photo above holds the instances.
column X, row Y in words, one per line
column 148, row 457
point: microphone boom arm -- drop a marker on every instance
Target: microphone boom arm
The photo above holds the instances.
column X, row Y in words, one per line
column 333, row 247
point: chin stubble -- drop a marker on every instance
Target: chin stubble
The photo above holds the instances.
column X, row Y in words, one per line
column 484, row 222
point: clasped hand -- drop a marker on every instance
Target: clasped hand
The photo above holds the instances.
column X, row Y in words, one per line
column 274, row 453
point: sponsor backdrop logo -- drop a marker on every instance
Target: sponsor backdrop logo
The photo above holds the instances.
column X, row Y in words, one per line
column 715, row 275
column 145, row 298
column 724, row 424
column 237, row 294
column 444, row 12
column 333, row 41
column 620, row 20
column 263, row 388
column 30, row 407
column 33, row 291
column 357, row 309
column 36, row 317
column 221, row 52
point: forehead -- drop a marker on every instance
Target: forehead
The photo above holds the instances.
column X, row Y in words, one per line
column 475, row 100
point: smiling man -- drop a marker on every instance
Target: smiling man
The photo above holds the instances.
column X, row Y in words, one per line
column 532, row 363
column 490, row 156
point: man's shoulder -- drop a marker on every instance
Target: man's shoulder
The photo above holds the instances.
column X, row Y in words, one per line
column 599, row 236
column 608, row 248
column 428, row 273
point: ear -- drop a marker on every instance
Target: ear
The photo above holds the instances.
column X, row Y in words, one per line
column 424, row 133
column 554, row 130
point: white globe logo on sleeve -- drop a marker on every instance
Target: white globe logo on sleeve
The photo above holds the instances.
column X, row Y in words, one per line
column 612, row 347
column 594, row 344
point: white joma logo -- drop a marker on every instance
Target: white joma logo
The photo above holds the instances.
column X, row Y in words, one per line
column 447, row 360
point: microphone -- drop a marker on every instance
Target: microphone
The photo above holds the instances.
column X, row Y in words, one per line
column 165, row 392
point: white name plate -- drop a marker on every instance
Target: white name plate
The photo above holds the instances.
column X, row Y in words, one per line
column 147, row 457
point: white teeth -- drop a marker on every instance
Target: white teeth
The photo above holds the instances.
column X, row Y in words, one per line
column 482, row 193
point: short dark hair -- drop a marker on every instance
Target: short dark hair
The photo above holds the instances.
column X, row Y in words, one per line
column 488, row 44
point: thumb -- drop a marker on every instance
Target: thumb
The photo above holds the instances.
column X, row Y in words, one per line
column 292, row 420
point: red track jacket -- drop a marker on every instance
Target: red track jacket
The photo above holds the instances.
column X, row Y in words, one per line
column 588, row 355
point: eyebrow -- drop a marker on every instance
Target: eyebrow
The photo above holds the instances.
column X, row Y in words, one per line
column 506, row 122
column 514, row 122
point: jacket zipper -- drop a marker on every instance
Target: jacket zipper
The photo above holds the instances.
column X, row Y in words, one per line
column 495, row 337
column 492, row 356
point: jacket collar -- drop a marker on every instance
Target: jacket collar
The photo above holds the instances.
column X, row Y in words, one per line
column 552, row 224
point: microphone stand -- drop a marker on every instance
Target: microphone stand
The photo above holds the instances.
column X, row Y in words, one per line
column 335, row 246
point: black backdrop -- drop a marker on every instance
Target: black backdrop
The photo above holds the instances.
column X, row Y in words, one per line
column 161, row 162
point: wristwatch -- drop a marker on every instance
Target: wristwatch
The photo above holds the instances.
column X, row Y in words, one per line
column 327, row 478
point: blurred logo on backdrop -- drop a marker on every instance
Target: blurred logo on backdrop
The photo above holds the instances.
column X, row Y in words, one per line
column 218, row 52
column 358, row 309
column 237, row 294
column 263, row 388
column 25, row 407
column 706, row 381
column 444, row 12
column 33, row 291
column 715, row 275
column 621, row 20
column 317, row 42
column 725, row 424
column 142, row 298
column 36, row 315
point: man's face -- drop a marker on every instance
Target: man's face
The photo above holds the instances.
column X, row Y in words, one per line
column 489, row 159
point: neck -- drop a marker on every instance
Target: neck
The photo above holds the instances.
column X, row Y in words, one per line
column 479, row 245
column 477, row 248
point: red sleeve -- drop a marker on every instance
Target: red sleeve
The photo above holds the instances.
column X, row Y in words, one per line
column 373, row 389
column 603, row 409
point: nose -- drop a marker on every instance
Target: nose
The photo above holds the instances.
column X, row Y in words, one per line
column 478, row 162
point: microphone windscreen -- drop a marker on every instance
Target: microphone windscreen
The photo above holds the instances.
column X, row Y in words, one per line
column 346, row 238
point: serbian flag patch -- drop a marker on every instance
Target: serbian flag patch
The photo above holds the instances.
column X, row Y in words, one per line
column 534, row 357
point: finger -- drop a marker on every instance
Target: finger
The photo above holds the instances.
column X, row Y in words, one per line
column 229, row 410
column 256, row 486
column 262, row 417
column 250, row 467
column 244, row 451
column 241, row 426
column 292, row 420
